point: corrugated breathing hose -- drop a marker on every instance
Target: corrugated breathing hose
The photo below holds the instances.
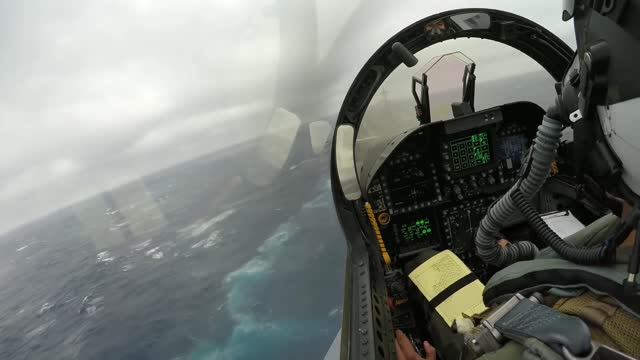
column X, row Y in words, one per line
column 585, row 256
column 505, row 211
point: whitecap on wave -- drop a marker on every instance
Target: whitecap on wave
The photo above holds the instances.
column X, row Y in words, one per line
column 142, row 245
column 91, row 305
column 155, row 253
column 252, row 267
column 245, row 290
column 46, row 307
column 263, row 262
column 213, row 240
column 22, row 248
column 323, row 199
column 115, row 227
column 198, row 244
column 40, row 329
column 104, row 257
column 282, row 235
column 201, row 225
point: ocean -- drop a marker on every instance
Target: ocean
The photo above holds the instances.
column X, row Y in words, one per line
column 193, row 262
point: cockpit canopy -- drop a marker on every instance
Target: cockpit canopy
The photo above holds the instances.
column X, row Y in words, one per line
column 465, row 58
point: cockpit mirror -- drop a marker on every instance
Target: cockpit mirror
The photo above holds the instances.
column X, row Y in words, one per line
column 568, row 7
column 471, row 21
column 457, row 23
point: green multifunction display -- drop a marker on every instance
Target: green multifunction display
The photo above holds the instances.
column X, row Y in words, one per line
column 419, row 229
column 470, row 151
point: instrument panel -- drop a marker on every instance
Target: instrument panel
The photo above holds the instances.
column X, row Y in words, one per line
column 436, row 185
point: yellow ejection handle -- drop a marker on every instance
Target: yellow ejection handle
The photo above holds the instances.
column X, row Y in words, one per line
column 376, row 230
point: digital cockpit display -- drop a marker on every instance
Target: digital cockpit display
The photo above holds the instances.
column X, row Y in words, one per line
column 419, row 229
column 410, row 182
column 470, row 151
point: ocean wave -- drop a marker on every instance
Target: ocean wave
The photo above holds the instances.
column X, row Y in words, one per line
column 213, row 240
column 150, row 252
column 263, row 262
column 115, row 227
column 323, row 199
column 104, row 257
column 46, row 307
column 41, row 329
column 268, row 339
column 201, row 225
column 91, row 305
column 249, row 309
column 241, row 299
column 198, row 244
column 127, row 267
column 22, row 248
column 282, row 234
column 142, row 245
column 250, row 268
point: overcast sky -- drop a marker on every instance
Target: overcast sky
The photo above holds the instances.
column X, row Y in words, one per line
column 94, row 93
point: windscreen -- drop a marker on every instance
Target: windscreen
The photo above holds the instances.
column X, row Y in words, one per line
column 446, row 77
column 503, row 75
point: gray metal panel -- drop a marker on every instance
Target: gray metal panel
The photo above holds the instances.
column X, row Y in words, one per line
column 361, row 329
column 622, row 130
column 334, row 350
column 491, row 116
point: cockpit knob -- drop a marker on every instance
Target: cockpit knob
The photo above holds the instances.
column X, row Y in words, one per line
column 458, row 191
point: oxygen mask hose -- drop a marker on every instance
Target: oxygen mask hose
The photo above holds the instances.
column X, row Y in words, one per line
column 517, row 201
column 578, row 255
column 505, row 210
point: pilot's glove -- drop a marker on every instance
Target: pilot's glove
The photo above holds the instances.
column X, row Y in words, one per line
column 405, row 350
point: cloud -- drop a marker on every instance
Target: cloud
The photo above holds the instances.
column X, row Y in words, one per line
column 212, row 123
column 61, row 167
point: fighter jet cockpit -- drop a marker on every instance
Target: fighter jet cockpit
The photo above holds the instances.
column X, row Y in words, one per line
column 484, row 192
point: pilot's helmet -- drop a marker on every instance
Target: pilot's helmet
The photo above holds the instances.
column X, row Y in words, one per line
column 605, row 74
